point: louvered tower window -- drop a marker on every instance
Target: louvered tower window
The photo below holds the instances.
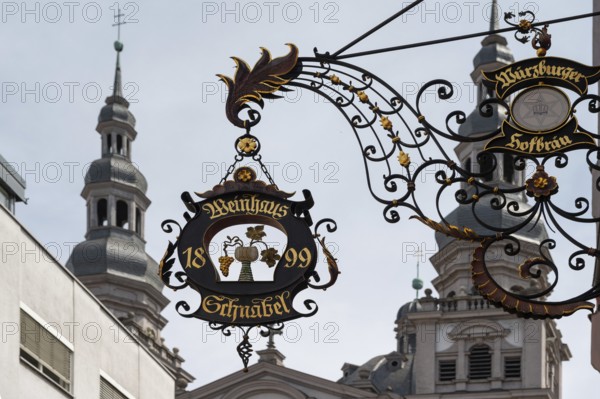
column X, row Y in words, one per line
column 45, row 352
column 512, row 367
column 107, row 391
column 480, row 362
column 447, row 369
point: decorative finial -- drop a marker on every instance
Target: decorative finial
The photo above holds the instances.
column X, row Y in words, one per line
column 271, row 343
column 118, row 23
column 542, row 41
column 117, row 86
column 494, row 17
column 271, row 354
column 417, row 283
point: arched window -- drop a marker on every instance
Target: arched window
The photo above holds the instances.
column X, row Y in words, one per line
column 480, row 362
column 109, row 143
column 138, row 221
column 122, row 214
column 468, row 165
column 486, row 163
column 102, row 212
column 508, row 172
column 119, row 144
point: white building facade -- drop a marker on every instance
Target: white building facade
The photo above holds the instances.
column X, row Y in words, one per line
column 58, row 340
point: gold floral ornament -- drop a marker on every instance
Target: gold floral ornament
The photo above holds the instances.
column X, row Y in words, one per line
column 524, row 25
column 335, row 79
column 540, row 182
column 247, row 145
column 541, row 185
column 270, row 256
column 244, row 175
column 256, row 233
column 386, row 123
column 404, row 159
column 225, row 262
column 362, row 97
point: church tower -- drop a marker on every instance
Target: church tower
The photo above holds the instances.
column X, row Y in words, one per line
column 458, row 342
column 112, row 261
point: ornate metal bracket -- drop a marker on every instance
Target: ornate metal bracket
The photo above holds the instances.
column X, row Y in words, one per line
column 398, row 141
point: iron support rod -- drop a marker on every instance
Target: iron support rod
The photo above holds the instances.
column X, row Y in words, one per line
column 376, row 28
column 457, row 38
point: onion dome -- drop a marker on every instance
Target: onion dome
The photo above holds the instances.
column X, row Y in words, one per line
column 116, row 169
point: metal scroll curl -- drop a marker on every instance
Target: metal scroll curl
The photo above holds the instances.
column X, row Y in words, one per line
column 396, row 141
column 527, row 304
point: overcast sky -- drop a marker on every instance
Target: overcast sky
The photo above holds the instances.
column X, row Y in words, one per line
column 57, row 69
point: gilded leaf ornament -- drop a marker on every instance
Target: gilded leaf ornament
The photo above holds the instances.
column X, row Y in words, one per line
column 464, row 233
column 255, row 84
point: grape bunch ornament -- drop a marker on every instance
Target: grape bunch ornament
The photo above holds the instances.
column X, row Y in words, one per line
column 246, row 254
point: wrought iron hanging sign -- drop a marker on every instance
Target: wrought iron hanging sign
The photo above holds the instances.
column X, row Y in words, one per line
column 225, row 300
column 540, row 119
column 537, row 128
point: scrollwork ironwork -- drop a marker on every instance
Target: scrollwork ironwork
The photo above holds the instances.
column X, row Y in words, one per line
column 541, row 40
column 332, row 266
column 395, row 136
column 167, row 261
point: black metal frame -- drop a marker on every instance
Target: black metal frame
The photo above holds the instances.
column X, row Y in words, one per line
column 365, row 100
column 386, row 125
column 207, row 284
